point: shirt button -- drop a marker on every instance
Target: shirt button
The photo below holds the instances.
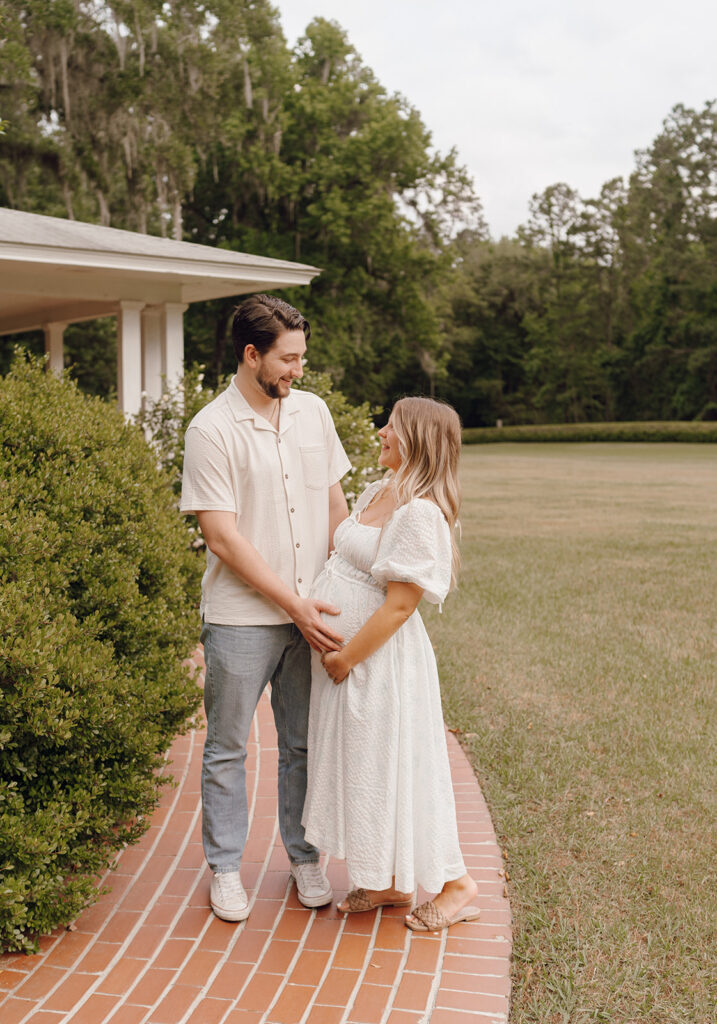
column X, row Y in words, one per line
column 299, row 580
column 291, row 510
column 278, row 440
column 298, row 545
column 286, row 476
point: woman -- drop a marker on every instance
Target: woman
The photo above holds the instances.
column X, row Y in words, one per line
column 379, row 792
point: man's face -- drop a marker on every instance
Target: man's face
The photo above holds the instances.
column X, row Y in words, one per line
column 282, row 364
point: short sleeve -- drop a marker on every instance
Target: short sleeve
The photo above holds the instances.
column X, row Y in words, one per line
column 415, row 547
column 206, row 476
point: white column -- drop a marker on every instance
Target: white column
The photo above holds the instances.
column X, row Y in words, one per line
column 152, row 368
column 54, row 347
column 129, row 357
column 173, row 342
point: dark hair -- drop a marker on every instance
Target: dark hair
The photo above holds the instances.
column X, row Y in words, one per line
column 261, row 319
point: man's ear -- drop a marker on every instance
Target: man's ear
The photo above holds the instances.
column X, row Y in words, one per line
column 251, row 356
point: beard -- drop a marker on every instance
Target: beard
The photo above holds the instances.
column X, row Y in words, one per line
column 269, row 386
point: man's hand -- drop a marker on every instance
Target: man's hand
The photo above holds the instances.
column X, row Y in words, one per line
column 220, row 533
column 336, row 665
column 318, row 634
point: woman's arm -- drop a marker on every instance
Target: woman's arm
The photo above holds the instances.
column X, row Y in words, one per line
column 338, row 511
column 401, row 602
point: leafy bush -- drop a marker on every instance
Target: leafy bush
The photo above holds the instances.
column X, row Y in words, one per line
column 166, row 420
column 647, row 431
column 709, row 412
column 95, row 623
column 355, row 429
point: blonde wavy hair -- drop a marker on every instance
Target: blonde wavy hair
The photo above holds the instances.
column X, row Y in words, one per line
column 429, row 442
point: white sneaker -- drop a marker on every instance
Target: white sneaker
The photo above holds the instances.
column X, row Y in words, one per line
column 312, row 885
column 227, row 897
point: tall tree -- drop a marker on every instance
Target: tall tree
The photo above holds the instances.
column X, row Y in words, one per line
column 195, row 119
column 565, row 358
column 346, row 182
column 621, row 318
column 492, row 289
column 670, row 239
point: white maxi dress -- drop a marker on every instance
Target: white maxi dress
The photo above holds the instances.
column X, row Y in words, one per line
column 379, row 789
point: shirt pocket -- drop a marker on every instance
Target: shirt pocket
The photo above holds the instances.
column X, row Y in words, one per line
column 315, row 464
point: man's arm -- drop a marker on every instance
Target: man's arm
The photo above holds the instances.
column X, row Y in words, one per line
column 338, row 511
column 220, row 533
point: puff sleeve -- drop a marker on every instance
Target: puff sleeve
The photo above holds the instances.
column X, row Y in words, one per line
column 415, row 547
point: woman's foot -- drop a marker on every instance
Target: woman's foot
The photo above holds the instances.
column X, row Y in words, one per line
column 453, row 898
column 359, row 900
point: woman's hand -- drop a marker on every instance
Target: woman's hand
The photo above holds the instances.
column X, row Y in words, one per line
column 401, row 602
column 336, row 665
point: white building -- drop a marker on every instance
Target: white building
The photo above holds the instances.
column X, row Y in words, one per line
column 55, row 272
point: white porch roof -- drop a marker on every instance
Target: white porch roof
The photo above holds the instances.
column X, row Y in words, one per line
column 66, row 270
column 54, row 272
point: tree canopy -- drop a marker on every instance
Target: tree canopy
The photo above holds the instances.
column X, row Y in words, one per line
column 197, row 121
column 601, row 309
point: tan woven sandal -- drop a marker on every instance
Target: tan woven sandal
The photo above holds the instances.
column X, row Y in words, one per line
column 359, row 901
column 432, row 919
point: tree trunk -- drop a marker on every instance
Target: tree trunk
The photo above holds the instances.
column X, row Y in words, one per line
column 220, row 342
column 67, row 196
column 64, row 80
column 140, row 43
column 120, row 43
column 248, row 94
column 104, row 208
column 177, row 218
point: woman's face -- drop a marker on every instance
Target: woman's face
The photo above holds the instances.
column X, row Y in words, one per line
column 390, row 456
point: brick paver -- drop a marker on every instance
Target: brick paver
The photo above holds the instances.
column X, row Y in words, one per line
column 151, row 951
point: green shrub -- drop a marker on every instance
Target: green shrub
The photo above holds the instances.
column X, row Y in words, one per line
column 709, row 412
column 96, row 619
column 687, row 430
column 166, row 420
column 355, row 429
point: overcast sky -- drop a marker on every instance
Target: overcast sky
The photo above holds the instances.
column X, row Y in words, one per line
column 532, row 92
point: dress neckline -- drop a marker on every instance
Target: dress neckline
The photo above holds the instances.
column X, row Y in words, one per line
column 366, row 526
column 359, row 511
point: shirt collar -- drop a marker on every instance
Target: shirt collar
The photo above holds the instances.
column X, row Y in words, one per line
column 241, row 409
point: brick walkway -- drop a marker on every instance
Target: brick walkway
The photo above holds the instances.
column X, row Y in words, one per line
column 151, row 951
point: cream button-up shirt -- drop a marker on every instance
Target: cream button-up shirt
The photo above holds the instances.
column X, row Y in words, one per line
column 275, row 482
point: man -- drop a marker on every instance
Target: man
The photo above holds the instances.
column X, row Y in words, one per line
column 262, row 467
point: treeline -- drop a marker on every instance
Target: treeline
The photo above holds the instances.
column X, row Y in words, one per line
column 196, row 120
column 199, row 122
column 600, row 309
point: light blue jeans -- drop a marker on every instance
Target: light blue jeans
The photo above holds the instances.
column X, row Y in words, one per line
column 240, row 660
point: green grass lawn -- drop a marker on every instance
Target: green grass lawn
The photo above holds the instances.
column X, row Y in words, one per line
column 579, row 659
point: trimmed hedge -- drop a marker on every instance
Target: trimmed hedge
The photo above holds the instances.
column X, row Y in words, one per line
column 96, row 619
column 691, row 431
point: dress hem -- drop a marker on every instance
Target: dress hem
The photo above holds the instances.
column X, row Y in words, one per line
column 363, row 882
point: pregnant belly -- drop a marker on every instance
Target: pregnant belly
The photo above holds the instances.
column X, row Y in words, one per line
column 356, row 602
